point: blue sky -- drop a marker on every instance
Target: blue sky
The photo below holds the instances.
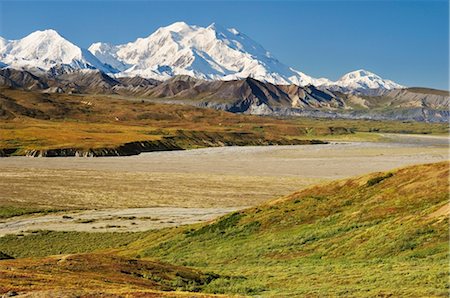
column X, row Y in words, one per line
column 406, row 41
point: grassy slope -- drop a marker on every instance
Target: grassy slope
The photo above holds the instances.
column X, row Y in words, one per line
column 358, row 237
column 380, row 234
column 41, row 121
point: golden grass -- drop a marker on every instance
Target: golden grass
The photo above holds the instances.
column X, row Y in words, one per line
column 87, row 189
column 33, row 133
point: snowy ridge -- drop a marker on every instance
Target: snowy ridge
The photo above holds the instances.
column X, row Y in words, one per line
column 363, row 79
column 44, row 50
column 211, row 53
column 208, row 53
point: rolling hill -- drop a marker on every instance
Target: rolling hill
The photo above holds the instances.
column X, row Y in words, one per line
column 382, row 234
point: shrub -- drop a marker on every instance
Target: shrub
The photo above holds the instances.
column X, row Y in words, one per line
column 378, row 179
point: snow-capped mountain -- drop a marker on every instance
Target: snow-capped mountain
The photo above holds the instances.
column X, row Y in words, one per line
column 206, row 53
column 362, row 79
column 47, row 49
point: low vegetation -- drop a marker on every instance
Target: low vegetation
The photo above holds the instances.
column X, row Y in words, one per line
column 11, row 211
column 40, row 243
column 100, row 275
column 378, row 179
column 348, row 238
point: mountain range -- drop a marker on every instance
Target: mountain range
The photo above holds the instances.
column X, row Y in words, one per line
column 248, row 95
column 207, row 53
column 208, row 67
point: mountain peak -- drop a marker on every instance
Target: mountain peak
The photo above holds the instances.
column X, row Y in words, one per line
column 45, row 49
column 214, row 53
column 45, row 36
column 179, row 27
column 208, row 53
column 221, row 29
column 211, row 52
column 46, row 32
column 359, row 74
column 362, row 79
column 46, row 44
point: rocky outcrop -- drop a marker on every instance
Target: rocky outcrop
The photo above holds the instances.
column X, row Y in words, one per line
column 7, row 152
column 127, row 149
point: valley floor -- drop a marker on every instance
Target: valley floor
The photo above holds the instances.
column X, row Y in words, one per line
column 184, row 182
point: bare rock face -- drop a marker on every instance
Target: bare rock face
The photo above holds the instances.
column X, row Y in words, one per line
column 21, row 79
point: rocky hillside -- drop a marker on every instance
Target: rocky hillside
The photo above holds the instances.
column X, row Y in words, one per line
column 242, row 96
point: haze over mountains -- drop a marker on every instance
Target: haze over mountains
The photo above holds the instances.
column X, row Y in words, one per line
column 211, row 53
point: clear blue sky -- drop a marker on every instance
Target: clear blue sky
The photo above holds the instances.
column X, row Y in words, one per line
column 406, row 41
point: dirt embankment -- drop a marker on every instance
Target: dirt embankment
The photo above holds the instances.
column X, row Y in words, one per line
column 180, row 141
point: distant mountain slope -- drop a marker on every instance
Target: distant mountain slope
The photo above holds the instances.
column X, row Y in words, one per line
column 19, row 79
column 382, row 234
column 411, row 98
column 247, row 95
column 242, row 96
column 428, row 91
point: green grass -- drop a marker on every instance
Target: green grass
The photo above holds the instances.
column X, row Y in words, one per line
column 43, row 243
column 11, row 211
